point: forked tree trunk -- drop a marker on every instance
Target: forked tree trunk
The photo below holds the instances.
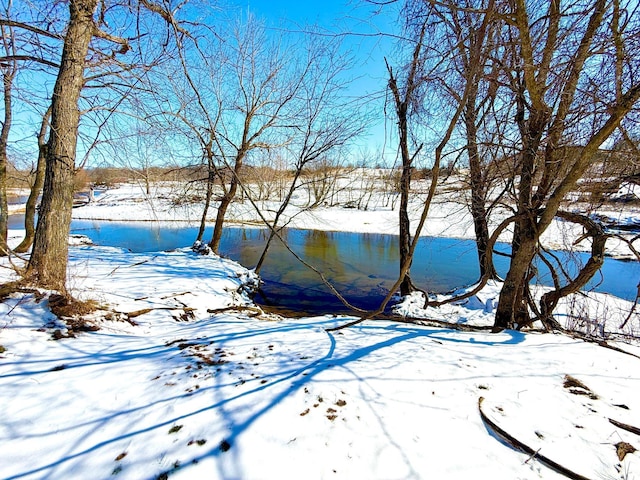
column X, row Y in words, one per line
column 48, row 264
column 512, row 310
column 226, row 200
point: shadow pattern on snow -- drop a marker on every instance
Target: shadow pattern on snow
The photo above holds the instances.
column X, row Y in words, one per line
column 228, row 396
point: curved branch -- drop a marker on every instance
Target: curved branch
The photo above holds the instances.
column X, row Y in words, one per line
column 31, row 28
column 549, row 300
column 27, row 58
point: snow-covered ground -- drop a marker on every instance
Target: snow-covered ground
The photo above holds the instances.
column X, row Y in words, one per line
column 187, row 379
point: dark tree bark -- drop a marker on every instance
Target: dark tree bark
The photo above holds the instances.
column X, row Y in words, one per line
column 473, row 31
column 226, row 200
column 403, row 97
column 7, row 82
column 207, row 203
column 9, row 70
column 478, row 186
column 48, row 263
column 36, row 188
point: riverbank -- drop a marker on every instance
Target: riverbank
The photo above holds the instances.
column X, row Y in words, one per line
column 181, row 377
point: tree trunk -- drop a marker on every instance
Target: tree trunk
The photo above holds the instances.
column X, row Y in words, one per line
column 404, row 233
column 48, row 264
column 36, row 188
column 227, row 198
column 7, row 82
column 404, row 226
column 207, row 201
column 512, row 310
column 478, row 188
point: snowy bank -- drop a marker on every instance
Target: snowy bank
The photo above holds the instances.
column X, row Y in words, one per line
column 185, row 378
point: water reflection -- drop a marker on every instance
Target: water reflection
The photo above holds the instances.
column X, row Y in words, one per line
column 362, row 266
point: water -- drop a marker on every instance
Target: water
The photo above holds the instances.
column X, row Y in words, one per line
column 361, row 266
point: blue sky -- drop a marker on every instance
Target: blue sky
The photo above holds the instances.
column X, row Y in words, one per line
column 356, row 20
column 362, row 25
column 332, row 14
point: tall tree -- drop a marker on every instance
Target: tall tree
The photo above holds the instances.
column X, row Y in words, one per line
column 472, row 27
column 48, row 263
column 32, row 42
column 406, row 97
column 260, row 88
column 557, row 63
column 9, row 69
column 106, row 74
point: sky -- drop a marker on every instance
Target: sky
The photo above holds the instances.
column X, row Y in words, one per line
column 367, row 31
column 362, row 26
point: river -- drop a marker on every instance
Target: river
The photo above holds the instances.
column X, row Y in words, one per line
column 361, row 266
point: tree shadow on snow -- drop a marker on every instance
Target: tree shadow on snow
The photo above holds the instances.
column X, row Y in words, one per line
column 230, row 395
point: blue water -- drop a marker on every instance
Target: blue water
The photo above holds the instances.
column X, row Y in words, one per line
column 361, row 266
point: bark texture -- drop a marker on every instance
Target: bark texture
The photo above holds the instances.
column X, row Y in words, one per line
column 36, row 188
column 7, row 82
column 48, row 264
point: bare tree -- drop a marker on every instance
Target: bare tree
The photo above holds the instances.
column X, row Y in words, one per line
column 323, row 123
column 557, row 54
column 406, row 98
column 444, row 35
column 190, row 106
column 472, row 26
column 9, row 69
column 260, row 88
column 48, row 263
column 32, row 42
column 78, row 70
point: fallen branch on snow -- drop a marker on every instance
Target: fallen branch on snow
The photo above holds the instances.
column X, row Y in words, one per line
column 518, row 445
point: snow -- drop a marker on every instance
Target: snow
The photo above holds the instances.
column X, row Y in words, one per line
column 186, row 379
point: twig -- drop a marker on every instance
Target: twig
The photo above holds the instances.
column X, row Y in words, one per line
column 237, row 308
column 132, row 265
